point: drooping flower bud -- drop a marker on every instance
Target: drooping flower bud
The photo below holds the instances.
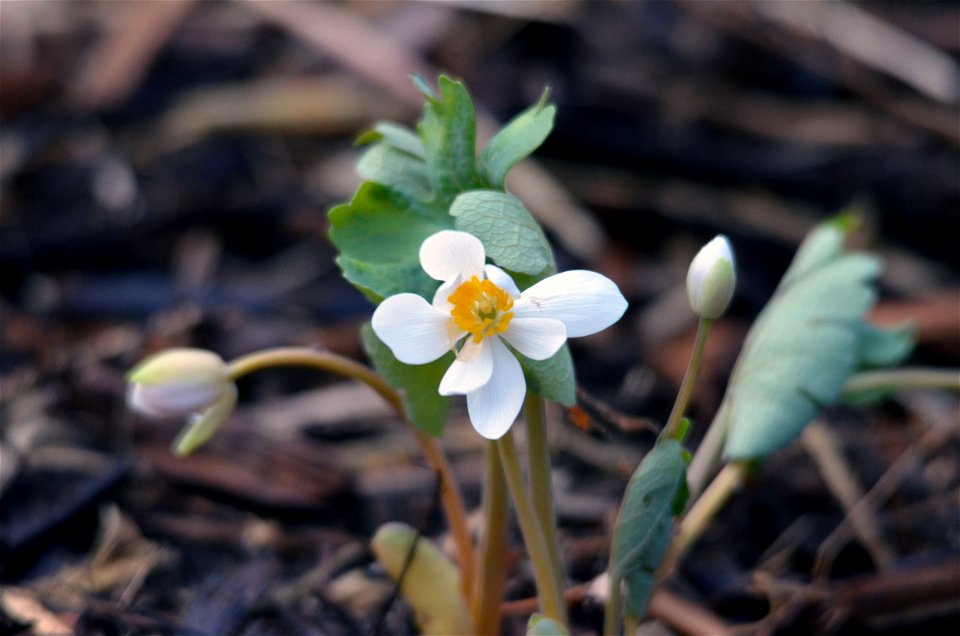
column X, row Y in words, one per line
column 712, row 278
column 176, row 382
column 190, row 383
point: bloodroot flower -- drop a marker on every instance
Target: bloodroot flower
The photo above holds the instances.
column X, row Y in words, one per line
column 712, row 278
column 192, row 383
column 476, row 309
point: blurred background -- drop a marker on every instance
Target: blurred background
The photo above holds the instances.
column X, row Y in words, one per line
column 165, row 172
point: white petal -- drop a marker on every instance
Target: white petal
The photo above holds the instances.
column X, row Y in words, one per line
column 444, row 306
column 440, row 297
column 470, row 371
column 415, row 332
column 494, row 406
column 502, row 280
column 585, row 302
column 536, row 338
column 448, row 253
column 172, row 399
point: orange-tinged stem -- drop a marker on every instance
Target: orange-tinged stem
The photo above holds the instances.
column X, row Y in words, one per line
column 449, row 492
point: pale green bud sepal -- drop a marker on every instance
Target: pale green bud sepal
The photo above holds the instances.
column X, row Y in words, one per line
column 201, row 426
column 712, row 278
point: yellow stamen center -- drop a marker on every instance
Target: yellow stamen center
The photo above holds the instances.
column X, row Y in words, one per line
column 481, row 308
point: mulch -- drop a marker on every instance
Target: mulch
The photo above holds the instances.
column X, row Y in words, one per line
column 165, row 174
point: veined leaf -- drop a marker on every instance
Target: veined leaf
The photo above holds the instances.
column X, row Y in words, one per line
column 807, row 341
column 656, row 493
column 509, row 234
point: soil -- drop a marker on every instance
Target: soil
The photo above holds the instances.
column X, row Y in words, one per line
column 166, row 172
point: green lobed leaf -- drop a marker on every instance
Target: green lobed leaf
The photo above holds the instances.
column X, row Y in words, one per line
column 379, row 235
column 516, row 141
column 552, row 378
column 822, row 245
column 805, row 344
column 423, row 86
column 394, row 168
column 412, row 179
column 878, row 348
column 449, row 133
column 883, row 347
column 510, row 235
column 396, row 136
column 370, row 277
column 656, row 493
column 420, row 383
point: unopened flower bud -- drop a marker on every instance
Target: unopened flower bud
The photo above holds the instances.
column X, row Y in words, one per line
column 190, row 383
column 712, row 278
column 177, row 382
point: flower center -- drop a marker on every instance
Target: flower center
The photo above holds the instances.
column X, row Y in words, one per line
column 481, row 308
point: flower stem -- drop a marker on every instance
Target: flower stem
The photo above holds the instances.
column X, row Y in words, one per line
column 541, row 486
column 453, row 509
column 908, row 378
column 611, row 613
column 701, row 514
column 491, row 574
column 672, row 427
column 449, row 492
column 321, row 360
column 707, row 458
column 549, row 594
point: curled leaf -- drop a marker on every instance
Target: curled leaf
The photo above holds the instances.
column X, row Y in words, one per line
column 805, row 344
column 656, row 493
column 430, row 582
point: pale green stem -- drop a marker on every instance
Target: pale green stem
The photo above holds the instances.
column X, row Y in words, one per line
column 614, row 608
column 689, row 380
column 541, row 489
column 671, row 430
column 493, row 547
column 449, row 492
column 548, row 593
column 701, row 514
column 907, row 378
column 707, row 458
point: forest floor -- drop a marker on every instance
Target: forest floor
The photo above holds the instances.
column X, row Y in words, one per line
column 166, row 171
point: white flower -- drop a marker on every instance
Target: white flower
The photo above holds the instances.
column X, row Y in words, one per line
column 711, row 279
column 479, row 306
column 190, row 383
